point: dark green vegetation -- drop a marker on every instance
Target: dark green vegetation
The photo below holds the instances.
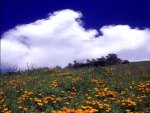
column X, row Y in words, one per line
column 123, row 88
column 110, row 59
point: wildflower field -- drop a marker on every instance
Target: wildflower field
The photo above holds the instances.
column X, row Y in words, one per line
column 122, row 88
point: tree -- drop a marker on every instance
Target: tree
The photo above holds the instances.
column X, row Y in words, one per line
column 113, row 59
column 125, row 62
column 102, row 61
column 70, row 65
column 110, row 59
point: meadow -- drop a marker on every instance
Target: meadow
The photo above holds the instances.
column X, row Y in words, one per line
column 123, row 88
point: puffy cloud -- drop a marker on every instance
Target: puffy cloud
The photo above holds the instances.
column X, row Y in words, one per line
column 61, row 38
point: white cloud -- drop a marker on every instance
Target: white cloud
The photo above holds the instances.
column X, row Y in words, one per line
column 61, row 38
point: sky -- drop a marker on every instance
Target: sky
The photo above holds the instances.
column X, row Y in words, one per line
column 56, row 32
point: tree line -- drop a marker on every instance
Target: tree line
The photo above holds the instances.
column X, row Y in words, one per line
column 110, row 59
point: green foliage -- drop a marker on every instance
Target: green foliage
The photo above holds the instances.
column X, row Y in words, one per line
column 115, row 89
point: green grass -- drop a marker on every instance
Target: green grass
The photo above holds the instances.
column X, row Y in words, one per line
column 114, row 89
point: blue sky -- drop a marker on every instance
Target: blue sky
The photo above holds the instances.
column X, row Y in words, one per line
column 56, row 32
column 96, row 13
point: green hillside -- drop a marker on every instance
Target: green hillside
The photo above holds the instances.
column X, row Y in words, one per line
column 123, row 88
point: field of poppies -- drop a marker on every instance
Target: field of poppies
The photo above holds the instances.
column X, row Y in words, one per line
column 122, row 88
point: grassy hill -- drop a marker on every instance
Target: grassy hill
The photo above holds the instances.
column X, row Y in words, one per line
column 121, row 88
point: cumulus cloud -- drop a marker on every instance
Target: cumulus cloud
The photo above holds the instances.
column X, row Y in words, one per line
column 61, row 38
